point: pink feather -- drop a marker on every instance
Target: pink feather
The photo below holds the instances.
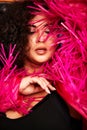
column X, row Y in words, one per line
column 10, row 77
column 68, row 69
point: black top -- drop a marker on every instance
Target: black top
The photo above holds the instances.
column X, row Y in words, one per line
column 50, row 113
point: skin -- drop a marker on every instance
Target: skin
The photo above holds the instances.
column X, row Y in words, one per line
column 38, row 49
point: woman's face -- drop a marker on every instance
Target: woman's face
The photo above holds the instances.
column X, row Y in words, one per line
column 39, row 48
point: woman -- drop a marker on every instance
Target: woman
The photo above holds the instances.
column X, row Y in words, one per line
column 46, row 111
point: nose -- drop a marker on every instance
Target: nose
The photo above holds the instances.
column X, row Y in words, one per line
column 41, row 36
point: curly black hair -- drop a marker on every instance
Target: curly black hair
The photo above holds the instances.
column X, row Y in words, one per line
column 14, row 17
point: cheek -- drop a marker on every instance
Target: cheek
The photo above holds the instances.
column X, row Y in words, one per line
column 52, row 50
column 30, row 44
column 51, row 45
column 50, row 41
column 32, row 39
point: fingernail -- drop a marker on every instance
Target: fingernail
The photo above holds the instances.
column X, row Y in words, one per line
column 48, row 91
column 54, row 88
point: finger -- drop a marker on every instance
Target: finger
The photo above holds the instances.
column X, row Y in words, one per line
column 24, row 82
column 31, row 89
column 48, row 84
column 43, row 84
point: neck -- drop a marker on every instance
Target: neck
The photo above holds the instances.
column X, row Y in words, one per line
column 31, row 67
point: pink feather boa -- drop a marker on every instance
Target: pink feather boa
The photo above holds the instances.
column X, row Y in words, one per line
column 68, row 68
column 10, row 77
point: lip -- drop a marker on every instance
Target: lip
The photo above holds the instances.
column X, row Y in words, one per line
column 41, row 51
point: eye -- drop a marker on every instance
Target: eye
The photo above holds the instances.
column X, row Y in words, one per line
column 32, row 29
column 47, row 30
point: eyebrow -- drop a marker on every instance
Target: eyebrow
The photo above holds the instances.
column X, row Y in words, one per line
column 32, row 25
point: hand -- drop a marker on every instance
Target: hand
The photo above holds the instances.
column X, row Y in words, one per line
column 31, row 85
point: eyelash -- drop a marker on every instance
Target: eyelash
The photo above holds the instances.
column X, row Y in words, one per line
column 46, row 31
column 31, row 32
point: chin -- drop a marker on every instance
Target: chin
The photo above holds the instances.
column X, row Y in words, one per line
column 42, row 62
